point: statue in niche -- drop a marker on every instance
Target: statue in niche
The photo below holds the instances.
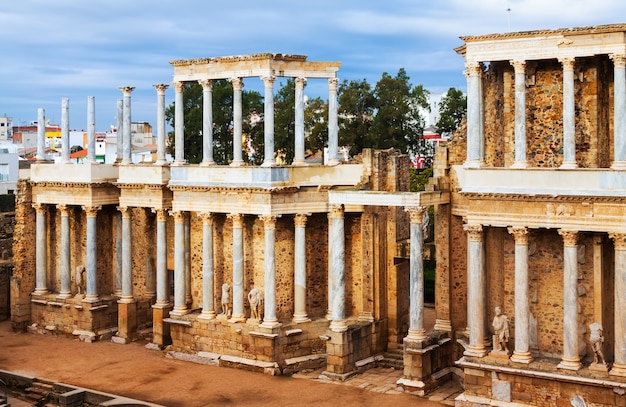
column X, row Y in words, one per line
column 79, row 278
column 596, row 336
column 226, row 299
column 254, row 298
column 500, row 331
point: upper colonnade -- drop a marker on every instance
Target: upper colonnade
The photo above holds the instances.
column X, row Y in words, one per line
column 267, row 67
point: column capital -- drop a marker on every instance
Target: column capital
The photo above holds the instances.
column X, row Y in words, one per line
column 268, row 80
column 336, row 211
column 518, row 65
column 178, row 86
column 333, row 83
column 161, row 214
column 237, row 83
column 416, row 213
column 520, row 234
column 64, row 209
column 568, row 63
column 570, row 237
column 125, row 210
column 473, row 68
column 236, row 218
column 127, row 90
column 160, row 88
column 619, row 60
column 207, row 218
column 619, row 239
column 40, row 208
column 91, row 211
column 269, row 221
column 300, row 219
column 179, row 216
column 474, row 231
column 207, row 84
column 300, row 81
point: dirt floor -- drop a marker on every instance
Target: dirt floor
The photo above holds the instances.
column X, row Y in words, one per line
column 136, row 372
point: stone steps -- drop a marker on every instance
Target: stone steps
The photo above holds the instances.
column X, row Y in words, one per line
column 39, row 393
column 393, row 358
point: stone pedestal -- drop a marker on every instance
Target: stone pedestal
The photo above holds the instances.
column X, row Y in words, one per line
column 426, row 364
column 340, row 363
column 126, row 322
column 160, row 331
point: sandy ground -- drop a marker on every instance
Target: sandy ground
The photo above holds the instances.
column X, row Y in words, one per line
column 134, row 371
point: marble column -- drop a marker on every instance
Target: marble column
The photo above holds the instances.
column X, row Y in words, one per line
column 520, row 114
column 337, row 241
column 299, row 278
column 619, row 111
column 570, row 359
column 269, row 272
column 160, row 158
column 521, row 354
column 127, row 259
column 298, row 158
column 91, row 130
column 475, row 158
column 41, row 255
column 569, row 130
column 65, row 257
column 119, row 138
column 180, row 305
column 416, row 275
column 91, row 254
column 163, row 296
column 238, row 310
column 237, row 123
column 207, row 122
column 179, row 124
column 333, row 124
column 619, row 291
column 268, row 159
column 118, row 254
column 208, row 277
column 329, row 312
column 41, row 134
column 187, row 240
column 476, row 290
column 127, row 142
column 65, row 130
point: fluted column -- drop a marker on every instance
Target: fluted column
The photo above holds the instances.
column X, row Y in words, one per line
column 41, row 256
column 160, row 158
column 569, row 130
column 476, row 290
column 619, row 111
column 65, row 130
column 333, row 124
column 298, row 158
column 163, row 296
column 91, row 254
column 521, row 354
column 179, row 124
column 520, row 114
column 268, row 160
column 570, row 359
column 41, row 134
column 207, row 122
column 299, row 278
column 126, row 134
column 329, row 311
column 238, row 310
column 119, row 132
column 237, row 123
column 416, row 275
column 269, row 272
column 475, row 157
column 187, row 240
column 91, row 129
column 208, row 294
column 127, row 260
column 337, row 241
column 180, row 305
column 66, row 274
column 619, row 364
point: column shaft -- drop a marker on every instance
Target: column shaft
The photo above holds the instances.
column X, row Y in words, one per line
column 65, row 130
column 619, row 112
column 180, row 305
column 160, row 88
column 208, row 294
column 569, row 136
column 520, row 114
column 127, row 259
column 475, row 156
column 333, row 126
column 187, row 240
column 619, row 364
column 476, row 291
column 329, row 312
column 66, row 274
column 570, row 359
column 41, row 261
column 237, row 127
column 163, row 297
column 338, row 310
column 299, row 118
column 416, row 275
column 127, row 137
column 41, row 134
column 521, row 354
column 268, row 160
column 92, row 252
column 269, row 275
column 118, row 254
column 179, row 124
column 119, row 138
column 238, row 310
column 207, row 122
column 91, row 129
column 299, row 278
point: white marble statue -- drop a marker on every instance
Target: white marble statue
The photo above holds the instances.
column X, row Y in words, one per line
column 254, row 298
column 596, row 338
column 225, row 299
column 80, row 279
column 500, row 331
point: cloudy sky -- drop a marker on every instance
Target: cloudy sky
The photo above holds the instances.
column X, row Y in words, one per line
column 78, row 48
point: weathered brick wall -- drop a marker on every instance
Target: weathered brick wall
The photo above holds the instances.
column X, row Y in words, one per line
column 23, row 280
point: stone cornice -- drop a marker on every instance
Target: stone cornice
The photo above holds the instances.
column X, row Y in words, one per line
column 62, row 184
column 599, row 29
column 541, row 198
column 219, row 189
column 237, row 58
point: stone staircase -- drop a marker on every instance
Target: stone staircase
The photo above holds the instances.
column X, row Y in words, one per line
column 392, row 358
column 40, row 393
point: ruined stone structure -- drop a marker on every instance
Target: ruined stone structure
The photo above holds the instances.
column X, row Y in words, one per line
column 108, row 250
column 535, row 223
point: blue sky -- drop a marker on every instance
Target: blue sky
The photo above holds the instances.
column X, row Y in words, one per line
column 77, row 48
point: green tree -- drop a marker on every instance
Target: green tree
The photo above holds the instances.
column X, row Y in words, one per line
column 356, row 106
column 316, row 125
column 284, row 121
column 452, row 108
column 398, row 122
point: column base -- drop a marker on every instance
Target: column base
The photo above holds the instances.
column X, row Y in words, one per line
column 269, row 324
column 301, row 318
column 569, row 364
column 416, row 335
column 269, row 163
column 161, row 162
column 208, row 315
column 473, row 164
column 178, row 163
column 237, row 163
column 443, row 325
column 40, row 291
column 329, row 315
column 125, row 300
column 64, row 296
column 474, row 351
column 299, row 163
column 366, row 316
column 618, row 370
column 520, row 164
column 237, row 318
column 179, row 311
column 161, row 305
column 91, row 298
column 339, row 325
column 521, row 357
column 332, row 162
column 569, row 166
